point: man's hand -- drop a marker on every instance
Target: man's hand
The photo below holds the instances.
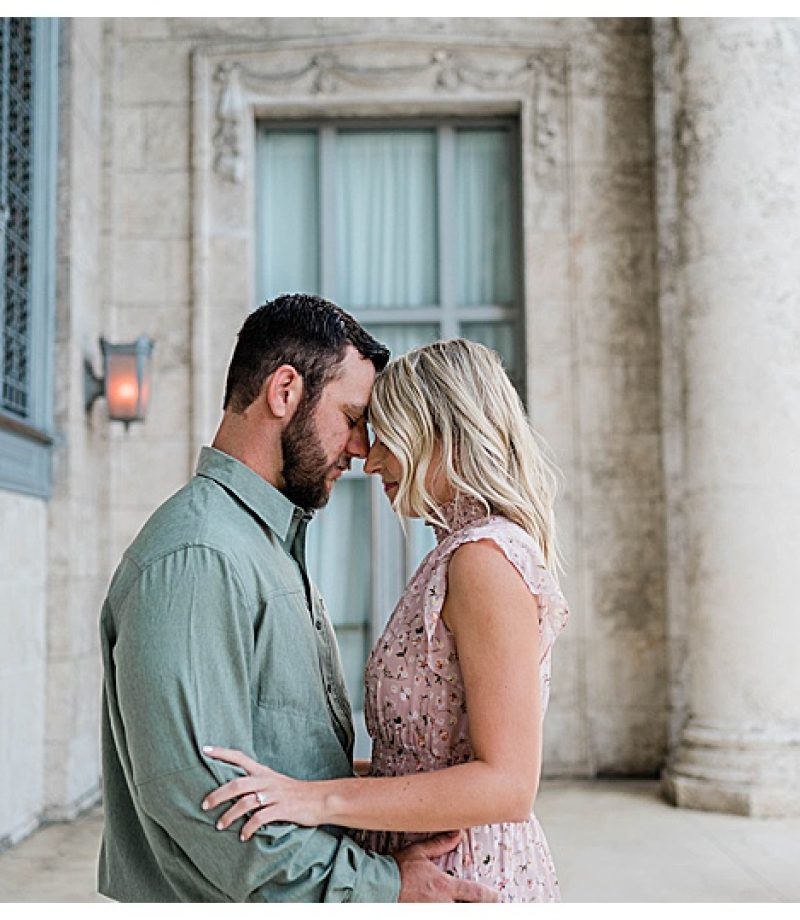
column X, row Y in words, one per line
column 420, row 880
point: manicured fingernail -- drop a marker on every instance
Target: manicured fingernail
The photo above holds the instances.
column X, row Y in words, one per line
column 204, row 806
column 207, row 748
column 242, row 837
column 219, row 825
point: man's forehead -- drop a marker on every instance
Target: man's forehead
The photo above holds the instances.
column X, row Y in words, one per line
column 355, row 377
column 349, row 390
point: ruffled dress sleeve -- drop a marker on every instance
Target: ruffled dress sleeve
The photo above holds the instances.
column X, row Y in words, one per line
column 524, row 554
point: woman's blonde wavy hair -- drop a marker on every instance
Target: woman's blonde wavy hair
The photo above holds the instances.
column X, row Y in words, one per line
column 455, row 395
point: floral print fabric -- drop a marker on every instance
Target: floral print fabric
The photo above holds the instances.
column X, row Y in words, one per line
column 415, row 703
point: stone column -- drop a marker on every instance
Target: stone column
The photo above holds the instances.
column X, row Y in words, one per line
column 738, row 191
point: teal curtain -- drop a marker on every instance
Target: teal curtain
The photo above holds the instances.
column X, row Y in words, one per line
column 287, row 213
column 483, row 221
column 386, row 219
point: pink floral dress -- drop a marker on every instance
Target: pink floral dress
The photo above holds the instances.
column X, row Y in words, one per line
column 415, row 704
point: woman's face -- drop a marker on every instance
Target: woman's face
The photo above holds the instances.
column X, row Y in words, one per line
column 382, row 462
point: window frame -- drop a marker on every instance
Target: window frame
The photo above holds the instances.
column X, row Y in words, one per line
column 26, row 443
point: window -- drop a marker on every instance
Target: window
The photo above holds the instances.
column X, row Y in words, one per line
column 413, row 228
column 28, row 99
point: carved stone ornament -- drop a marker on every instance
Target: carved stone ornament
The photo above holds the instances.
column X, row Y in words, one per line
column 228, row 160
column 326, row 74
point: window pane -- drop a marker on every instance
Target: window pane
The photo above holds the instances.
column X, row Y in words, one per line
column 287, row 213
column 500, row 337
column 354, row 650
column 16, row 105
column 386, row 219
column 421, row 540
column 402, row 337
column 483, row 218
column 339, row 563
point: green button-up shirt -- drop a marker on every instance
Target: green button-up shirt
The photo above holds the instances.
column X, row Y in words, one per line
column 212, row 633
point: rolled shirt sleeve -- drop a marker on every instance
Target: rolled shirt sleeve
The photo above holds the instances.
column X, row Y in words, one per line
column 183, row 661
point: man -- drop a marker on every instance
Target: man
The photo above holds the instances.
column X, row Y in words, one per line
column 212, row 633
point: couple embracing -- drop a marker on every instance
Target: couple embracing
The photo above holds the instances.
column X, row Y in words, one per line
column 227, row 734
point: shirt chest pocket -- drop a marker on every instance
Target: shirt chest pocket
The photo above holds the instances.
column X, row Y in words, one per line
column 286, row 661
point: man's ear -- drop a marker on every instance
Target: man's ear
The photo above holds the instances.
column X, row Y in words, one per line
column 283, row 392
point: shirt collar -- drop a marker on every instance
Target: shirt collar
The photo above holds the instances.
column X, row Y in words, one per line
column 260, row 496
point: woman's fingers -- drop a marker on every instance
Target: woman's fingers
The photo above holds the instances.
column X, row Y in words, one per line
column 243, row 806
column 229, row 755
column 259, row 819
column 254, row 793
column 233, row 789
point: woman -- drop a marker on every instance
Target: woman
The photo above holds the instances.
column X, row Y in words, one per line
column 457, row 685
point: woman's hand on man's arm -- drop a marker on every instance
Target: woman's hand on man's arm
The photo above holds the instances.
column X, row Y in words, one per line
column 264, row 794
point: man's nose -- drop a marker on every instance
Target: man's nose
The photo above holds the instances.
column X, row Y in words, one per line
column 358, row 445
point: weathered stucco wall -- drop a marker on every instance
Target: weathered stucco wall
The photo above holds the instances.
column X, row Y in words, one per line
column 616, row 368
column 78, row 509
column 53, row 562
column 23, row 665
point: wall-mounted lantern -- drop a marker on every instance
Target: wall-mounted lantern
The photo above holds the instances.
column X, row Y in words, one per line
column 125, row 382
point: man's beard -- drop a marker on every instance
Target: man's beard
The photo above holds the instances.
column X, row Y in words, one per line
column 305, row 465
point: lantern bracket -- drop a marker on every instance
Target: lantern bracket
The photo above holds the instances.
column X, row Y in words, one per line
column 93, row 386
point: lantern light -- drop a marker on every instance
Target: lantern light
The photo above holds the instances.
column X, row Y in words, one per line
column 125, row 382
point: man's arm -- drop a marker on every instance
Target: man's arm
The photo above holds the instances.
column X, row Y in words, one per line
column 183, row 661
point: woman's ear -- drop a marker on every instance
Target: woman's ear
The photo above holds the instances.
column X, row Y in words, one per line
column 284, row 390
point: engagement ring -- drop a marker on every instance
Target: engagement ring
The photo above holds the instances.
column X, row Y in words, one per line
column 261, row 798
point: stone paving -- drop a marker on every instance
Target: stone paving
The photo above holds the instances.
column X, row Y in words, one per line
column 613, row 841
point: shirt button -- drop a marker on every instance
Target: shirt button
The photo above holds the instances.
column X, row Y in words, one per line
column 318, row 624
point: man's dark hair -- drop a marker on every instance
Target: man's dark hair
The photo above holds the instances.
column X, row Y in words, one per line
column 306, row 331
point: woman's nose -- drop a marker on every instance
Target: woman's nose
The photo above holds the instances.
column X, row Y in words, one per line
column 372, row 464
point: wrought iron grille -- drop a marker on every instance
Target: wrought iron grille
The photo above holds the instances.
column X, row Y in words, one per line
column 16, row 92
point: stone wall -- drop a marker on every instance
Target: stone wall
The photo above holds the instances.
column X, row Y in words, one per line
column 23, row 665
column 78, row 566
column 54, row 563
column 618, row 566
column 148, row 214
